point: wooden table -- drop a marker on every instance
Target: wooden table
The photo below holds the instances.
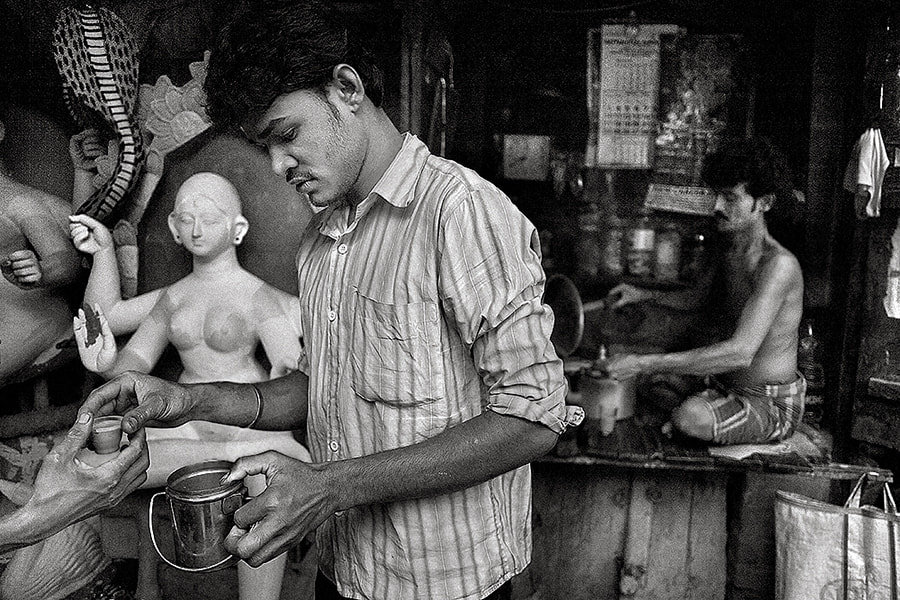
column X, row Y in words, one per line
column 637, row 515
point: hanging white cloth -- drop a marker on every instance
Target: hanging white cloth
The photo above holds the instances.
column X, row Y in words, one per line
column 892, row 289
column 865, row 172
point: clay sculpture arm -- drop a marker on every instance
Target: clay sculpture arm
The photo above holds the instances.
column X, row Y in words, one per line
column 96, row 343
column 277, row 333
column 49, row 261
column 93, row 238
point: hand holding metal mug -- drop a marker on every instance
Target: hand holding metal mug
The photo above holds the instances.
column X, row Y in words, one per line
column 141, row 400
column 297, row 499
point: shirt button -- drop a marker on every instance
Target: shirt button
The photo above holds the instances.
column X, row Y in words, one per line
column 342, row 249
column 333, row 445
column 332, row 315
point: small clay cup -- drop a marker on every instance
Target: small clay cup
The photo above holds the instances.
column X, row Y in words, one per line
column 107, row 434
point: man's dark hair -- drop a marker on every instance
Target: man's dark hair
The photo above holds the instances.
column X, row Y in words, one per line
column 276, row 47
column 753, row 161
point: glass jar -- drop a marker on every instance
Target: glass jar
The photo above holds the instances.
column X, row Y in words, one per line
column 667, row 265
column 640, row 245
column 611, row 246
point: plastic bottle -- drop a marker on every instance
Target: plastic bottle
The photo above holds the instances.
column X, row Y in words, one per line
column 809, row 364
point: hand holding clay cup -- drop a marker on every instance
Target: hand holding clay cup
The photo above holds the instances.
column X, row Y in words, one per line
column 106, row 434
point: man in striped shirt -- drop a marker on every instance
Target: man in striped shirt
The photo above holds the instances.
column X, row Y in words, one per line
column 428, row 381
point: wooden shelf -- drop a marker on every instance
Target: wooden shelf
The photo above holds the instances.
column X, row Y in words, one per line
column 885, row 387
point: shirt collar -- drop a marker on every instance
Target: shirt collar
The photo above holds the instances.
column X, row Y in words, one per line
column 399, row 180
column 395, row 186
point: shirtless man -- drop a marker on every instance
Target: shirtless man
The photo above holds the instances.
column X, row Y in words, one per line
column 755, row 393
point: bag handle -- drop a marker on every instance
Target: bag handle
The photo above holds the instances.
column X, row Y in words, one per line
column 855, row 497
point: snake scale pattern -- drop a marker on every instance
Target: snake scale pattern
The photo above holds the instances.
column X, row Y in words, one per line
column 96, row 55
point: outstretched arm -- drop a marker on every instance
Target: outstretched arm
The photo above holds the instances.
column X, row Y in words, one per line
column 67, row 490
column 124, row 316
column 686, row 299
column 756, row 319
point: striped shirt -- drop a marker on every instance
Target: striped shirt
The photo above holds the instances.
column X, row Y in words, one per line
column 420, row 314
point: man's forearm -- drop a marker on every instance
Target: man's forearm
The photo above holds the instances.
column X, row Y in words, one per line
column 708, row 360
column 465, row 455
column 283, row 403
column 34, row 522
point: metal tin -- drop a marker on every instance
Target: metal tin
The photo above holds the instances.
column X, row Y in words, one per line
column 668, row 255
column 639, row 255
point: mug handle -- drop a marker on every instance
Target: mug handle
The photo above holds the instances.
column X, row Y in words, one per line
column 166, row 560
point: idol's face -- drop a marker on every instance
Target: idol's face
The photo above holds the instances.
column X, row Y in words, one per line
column 315, row 141
column 202, row 227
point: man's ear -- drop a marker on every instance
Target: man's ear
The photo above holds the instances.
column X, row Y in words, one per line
column 173, row 229
column 767, row 201
column 241, row 226
column 348, row 84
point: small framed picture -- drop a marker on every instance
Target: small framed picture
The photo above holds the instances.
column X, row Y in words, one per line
column 526, row 157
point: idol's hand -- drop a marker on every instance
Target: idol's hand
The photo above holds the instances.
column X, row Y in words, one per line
column 84, row 148
column 96, row 343
column 89, row 235
column 142, row 400
column 297, row 499
column 22, row 269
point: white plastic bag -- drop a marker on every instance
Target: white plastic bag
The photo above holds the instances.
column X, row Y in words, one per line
column 829, row 552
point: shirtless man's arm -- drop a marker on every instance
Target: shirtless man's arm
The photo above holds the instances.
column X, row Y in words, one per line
column 759, row 330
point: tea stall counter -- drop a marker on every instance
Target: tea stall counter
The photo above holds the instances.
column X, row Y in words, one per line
column 639, row 516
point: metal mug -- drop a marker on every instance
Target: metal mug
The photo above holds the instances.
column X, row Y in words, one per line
column 202, row 510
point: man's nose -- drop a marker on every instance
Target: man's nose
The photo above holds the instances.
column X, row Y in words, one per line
column 720, row 203
column 281, row 161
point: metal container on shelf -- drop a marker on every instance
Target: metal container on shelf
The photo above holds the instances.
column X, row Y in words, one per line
column 640, row 246
column 667, row 265
column 611, row 241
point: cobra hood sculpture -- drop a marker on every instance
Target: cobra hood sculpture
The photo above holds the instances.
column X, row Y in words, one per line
column 96, row 55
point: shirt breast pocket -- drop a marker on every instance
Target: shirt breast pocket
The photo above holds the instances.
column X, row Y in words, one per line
column 394, row 352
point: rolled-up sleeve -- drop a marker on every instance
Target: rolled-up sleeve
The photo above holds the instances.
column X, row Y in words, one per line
column 492, row 284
